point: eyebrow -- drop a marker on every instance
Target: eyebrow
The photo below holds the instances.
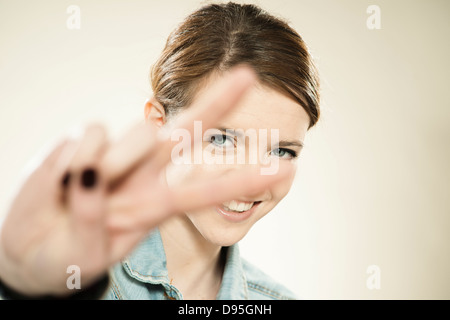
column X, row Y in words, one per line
column 281, row 143
column 237, row 133
column 289, row 143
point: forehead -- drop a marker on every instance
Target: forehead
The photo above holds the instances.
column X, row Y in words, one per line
column 265, row 108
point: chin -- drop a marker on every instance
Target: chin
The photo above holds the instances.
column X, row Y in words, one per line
column 220, row 238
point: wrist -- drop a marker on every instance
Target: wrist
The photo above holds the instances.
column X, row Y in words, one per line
column 93, row 292
column 14, row 277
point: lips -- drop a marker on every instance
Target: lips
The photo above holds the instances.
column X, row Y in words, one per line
column 237, row 206
column 236, row 211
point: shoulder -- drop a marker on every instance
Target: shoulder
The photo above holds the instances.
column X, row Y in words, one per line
column 262, row 286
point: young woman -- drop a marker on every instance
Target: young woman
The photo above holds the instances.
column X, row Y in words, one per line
column 135, row 223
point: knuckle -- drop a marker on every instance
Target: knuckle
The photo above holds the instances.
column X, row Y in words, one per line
column 96, row 130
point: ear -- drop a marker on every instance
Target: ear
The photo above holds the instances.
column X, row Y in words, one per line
column 155, row 112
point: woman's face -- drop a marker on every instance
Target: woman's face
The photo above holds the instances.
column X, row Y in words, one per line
column 273, row 117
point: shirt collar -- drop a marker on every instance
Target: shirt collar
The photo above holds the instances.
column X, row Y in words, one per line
column 234, row 283
column 147, row 263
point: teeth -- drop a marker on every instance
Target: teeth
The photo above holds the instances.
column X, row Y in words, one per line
column 238, row 206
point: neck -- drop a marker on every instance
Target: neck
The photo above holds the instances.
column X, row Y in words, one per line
column 195, row 266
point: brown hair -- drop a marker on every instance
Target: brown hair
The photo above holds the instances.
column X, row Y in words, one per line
column 220, row 36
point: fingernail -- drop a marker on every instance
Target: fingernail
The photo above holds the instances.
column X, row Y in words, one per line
column 89, row 178
column 66, row 180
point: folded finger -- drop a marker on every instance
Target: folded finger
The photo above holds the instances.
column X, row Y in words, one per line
column 86, row 193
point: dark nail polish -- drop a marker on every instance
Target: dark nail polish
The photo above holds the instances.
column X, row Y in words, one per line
column 89, row 178
column 66, row 180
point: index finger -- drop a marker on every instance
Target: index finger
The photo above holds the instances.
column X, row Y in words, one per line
column 142, row 144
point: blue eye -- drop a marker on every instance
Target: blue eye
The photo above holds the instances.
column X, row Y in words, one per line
column 222, row 140
column 284, row 153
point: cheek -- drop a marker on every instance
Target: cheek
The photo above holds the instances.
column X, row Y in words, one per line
column 280, row 190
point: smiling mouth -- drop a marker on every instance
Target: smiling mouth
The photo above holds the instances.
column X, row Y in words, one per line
column 238, row 206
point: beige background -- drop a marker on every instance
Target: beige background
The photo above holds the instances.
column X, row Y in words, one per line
column 374, row 180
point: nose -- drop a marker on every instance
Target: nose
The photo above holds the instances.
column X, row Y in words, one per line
column 249, row 197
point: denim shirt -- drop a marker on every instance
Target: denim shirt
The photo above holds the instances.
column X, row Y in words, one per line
column 144, row 275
